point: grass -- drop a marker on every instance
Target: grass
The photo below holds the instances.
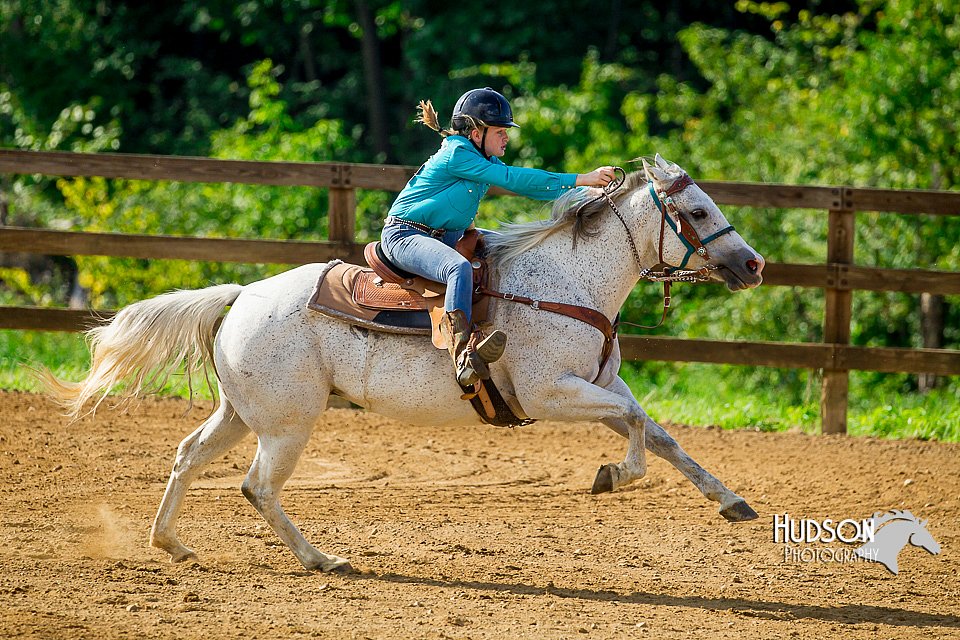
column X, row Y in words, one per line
column 789, row 400
column 66, row 355
column 63, row 353
column 731, row 397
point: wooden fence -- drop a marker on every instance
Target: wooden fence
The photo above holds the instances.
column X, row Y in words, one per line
column 838, row 277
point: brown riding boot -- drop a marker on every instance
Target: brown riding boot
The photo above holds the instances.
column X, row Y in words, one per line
column 470, row 355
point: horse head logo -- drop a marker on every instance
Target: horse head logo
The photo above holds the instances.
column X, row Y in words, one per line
column 899, row 528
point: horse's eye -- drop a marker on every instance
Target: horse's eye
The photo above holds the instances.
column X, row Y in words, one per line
column 698, row 214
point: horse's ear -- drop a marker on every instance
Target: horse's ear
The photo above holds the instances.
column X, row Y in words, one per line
column 655, row 173
column 671, row 169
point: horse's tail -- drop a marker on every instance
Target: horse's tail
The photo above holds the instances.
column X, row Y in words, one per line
column 144, row 344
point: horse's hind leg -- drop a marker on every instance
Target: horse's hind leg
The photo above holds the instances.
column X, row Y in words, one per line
column 217, row 435
column 277, row 455
column 659, row 442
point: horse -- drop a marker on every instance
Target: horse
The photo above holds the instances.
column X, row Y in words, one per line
column 902, row 527
column 277, row 363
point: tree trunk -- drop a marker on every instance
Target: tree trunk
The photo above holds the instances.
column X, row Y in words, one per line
column 373, row 75
column 4, row 204
column 931, row 329
column 306, row 52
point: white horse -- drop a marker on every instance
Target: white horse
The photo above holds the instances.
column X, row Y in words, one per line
column 277, row 362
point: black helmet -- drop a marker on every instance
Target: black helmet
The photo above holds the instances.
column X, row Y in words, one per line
column 486, row 105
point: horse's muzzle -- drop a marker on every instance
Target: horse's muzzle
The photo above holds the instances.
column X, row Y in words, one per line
column 743, row 272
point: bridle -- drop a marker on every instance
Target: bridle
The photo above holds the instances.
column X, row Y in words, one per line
column 667, row 274
column 669, row 216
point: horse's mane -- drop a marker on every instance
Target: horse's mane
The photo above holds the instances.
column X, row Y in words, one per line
column 578, row 208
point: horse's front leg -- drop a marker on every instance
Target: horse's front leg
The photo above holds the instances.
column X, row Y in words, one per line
column 572, row 398
column 732, row 507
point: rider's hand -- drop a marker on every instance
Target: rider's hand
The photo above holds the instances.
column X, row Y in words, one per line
column 600, row 177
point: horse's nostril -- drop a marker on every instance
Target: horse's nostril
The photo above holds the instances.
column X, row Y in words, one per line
column 753, row 265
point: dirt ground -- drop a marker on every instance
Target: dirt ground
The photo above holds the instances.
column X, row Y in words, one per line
column 459, row 533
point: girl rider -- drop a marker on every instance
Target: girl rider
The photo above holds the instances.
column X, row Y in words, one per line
column 440, row 202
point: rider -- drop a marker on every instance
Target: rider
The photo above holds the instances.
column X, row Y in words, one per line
column 440, row 202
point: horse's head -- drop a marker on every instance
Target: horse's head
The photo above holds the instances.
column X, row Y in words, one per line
column 892, row 531
column 691, row 230
column 924, row 539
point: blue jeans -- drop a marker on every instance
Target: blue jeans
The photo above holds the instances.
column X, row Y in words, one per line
column 434, row 259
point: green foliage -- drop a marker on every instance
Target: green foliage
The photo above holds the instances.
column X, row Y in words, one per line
column 65, row 354
column 788, row 400
column 208, row 210
column 896, row 414
column 865, row 94
column 843, row 101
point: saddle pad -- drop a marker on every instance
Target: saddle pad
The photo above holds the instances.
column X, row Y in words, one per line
column 373, row 292
column 334, row 297
column 403, row 310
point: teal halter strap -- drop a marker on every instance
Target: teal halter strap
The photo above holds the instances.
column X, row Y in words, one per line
column 692, row 247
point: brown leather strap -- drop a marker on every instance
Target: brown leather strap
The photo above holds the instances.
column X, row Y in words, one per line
column 489, row 404
column 690, row 234
column 666, row 309
column 467, row 245
column 679, row 185
column 683, row 227
column 584, row 314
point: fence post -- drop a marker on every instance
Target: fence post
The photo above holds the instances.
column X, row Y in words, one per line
column 836, row 326
column 343, row 207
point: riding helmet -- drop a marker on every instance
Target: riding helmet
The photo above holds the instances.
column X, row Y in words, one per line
column 486, row 105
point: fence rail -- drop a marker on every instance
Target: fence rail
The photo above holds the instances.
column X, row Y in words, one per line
column 838, row 277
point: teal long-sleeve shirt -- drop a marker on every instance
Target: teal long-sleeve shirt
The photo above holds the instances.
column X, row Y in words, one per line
column 446, row 191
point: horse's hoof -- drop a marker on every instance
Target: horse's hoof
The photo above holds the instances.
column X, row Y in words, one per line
column 739, row 511
column 184, row 556
column 333, row 564
column 343, row 569
column 604, row 480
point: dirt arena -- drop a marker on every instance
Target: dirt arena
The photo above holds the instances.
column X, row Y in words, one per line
column 470, row 533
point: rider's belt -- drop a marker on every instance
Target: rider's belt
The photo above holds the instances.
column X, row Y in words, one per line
column 430, row 231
